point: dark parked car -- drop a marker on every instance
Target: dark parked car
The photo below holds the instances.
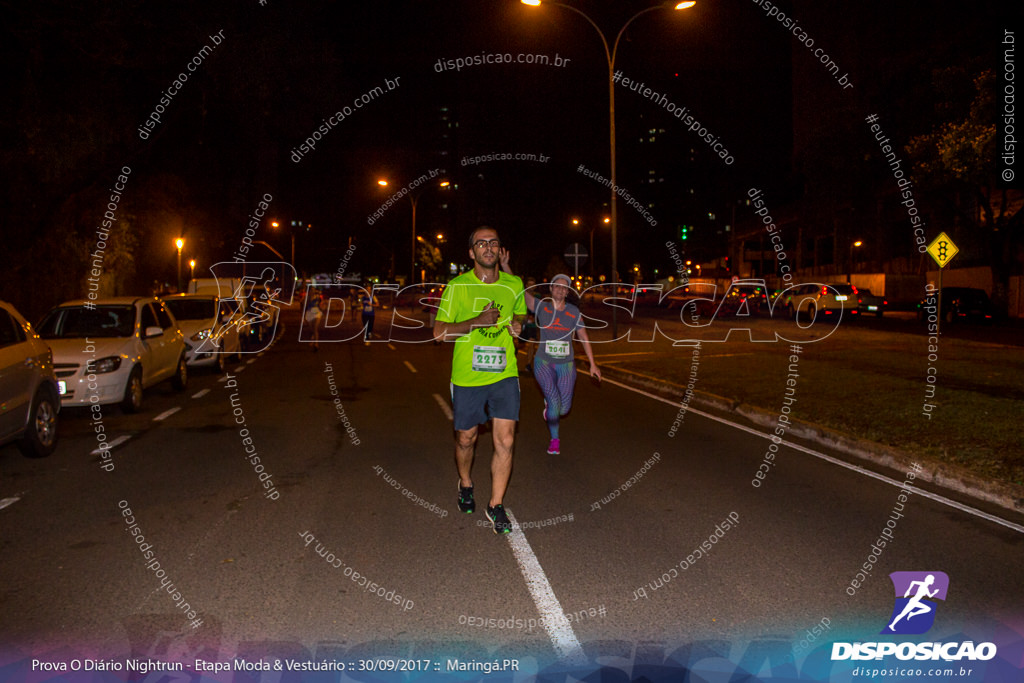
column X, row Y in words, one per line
column 960, row 303
column 29, row 399
column 869, row 303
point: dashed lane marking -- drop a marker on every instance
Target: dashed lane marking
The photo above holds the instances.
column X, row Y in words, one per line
column 445, row 408
column 112, row 445
column 166, row 414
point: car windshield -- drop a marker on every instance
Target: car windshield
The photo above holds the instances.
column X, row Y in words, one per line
column 97, row 321
column 191, row 309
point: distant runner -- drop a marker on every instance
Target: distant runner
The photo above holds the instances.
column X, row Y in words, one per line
column 554, row 366
column 482, row 311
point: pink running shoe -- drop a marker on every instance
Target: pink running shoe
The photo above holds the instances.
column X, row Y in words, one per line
column 553, row 447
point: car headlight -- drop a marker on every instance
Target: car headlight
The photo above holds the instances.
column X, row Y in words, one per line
column 108, row 364
column 202, row 334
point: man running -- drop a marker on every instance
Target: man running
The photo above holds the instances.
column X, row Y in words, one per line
column 482, row 310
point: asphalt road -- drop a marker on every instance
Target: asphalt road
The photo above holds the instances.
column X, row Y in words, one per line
column 271, row 575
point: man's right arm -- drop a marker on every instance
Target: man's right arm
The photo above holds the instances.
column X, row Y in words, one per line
column 445, row 331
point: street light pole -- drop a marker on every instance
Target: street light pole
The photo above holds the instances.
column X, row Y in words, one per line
column 412, row 256
column 413, row 199
column 849, row 277
column 610, row 57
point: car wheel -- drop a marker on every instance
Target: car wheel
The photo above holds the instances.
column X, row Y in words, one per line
column 41, row 432
column 949, row 317
column 180, row 379
column 221, row 359
column 878, row 314
column 132, row 401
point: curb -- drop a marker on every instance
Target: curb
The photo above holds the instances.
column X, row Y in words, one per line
column 942, row 475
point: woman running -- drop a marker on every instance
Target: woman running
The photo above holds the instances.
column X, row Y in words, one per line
column 554, row 366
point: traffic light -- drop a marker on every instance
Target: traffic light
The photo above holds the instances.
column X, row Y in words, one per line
column 684, row 231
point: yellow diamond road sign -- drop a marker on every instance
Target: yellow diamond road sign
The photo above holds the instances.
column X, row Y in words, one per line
column 942, row 249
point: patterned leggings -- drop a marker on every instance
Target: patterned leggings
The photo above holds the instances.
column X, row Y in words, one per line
column 557, row 381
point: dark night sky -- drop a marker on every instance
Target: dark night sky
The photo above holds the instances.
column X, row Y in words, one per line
column 82, row 79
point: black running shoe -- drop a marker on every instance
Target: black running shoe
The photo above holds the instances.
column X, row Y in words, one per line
column 499, row 519
column 466, row 503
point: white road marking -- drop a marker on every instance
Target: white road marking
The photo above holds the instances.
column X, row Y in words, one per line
column 166, row 414
column 9, row 501
column 828, row 458
column 200, row 394
column 113, row 444
column 241, row 368
column 392, row 346
column 635, row 353
column 445, row 408
column 250, row 361
column 567, row 645
column 409, row 365
column 222, row 378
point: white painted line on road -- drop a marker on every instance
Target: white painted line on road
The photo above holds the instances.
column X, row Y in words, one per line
column 112, row 445
column 567, row 645
column 250, row 361
column 9, row 501
column 166, row 414
column 222, row 378
column 200, row 394
column 828, row 458
column 392, row 346
column 445, row 408
column 241, row 368
column 409, row 365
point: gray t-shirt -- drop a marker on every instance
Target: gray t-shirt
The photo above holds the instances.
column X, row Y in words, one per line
column 556, row 328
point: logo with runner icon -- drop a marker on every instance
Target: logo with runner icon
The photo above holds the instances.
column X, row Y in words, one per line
column 916, row 593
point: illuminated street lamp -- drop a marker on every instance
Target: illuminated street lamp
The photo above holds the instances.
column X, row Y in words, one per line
column 192, row 269
column 275, row 225
column 849, row 277
column 576, row 222
column 179, row 243
column 413, row 199
column 610, row 56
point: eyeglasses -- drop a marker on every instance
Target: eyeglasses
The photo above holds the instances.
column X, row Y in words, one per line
column 493, row 244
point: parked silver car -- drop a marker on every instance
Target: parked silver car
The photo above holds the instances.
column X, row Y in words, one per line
column 29, row 400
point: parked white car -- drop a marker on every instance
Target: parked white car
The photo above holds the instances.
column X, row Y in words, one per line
column 29, row 402
column 210, row 327
column 110, row 350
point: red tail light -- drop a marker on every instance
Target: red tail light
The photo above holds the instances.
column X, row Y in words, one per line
column 854, row 288
column 824, row 290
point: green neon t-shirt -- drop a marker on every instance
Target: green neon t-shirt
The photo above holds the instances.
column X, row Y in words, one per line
column 487, row 354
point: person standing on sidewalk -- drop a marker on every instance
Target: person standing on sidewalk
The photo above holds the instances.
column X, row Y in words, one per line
column 554, row 366
column 482, row 311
